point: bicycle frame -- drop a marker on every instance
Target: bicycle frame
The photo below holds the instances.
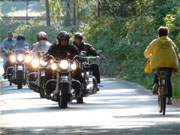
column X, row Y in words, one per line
column 162, row 90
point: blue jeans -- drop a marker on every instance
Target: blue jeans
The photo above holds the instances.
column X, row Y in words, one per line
column 169, row 82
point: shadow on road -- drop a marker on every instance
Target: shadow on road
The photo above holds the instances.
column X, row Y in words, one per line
column 161, row 129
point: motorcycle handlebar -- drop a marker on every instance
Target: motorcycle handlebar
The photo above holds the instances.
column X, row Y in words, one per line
column 86, row 57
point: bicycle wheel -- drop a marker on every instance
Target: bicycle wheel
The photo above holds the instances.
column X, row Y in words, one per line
column 163, row 104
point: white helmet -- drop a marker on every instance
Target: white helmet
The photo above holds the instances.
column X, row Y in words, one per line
column 42, row 36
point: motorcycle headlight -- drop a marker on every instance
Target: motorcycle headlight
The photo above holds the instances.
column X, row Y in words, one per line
column 28, row 58
column 64, row 64
column 43, row 63
column 35, row 63
column 87, row 73
column 53, row 66
column 20, row 57
column 12, row 58
column 74, row 66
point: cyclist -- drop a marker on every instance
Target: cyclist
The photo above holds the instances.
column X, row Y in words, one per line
column 163, row 54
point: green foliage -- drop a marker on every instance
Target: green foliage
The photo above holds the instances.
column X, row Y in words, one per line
column 55, row 10
column 6, row 26
column 117, row 7
column 123, row 38
column 176, row 86
column 29, row 31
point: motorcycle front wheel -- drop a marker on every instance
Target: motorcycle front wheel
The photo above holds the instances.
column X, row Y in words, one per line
column 19, row 86
column 64, row 97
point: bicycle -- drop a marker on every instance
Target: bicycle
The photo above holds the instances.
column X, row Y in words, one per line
column 162, row 89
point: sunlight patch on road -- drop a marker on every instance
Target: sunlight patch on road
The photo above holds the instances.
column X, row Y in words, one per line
column 1, row 67
column 116, row 108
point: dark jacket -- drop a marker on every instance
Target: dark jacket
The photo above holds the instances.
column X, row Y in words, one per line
column 62, row 52
column 90, row 50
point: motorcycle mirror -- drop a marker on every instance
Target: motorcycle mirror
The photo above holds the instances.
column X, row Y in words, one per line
column 83, row 53
column 99, row 51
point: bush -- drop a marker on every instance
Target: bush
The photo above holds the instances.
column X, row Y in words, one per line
column 123, row 41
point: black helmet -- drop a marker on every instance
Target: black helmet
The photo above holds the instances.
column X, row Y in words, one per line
column 63, row 34
column 78, row 35
column 21, row 37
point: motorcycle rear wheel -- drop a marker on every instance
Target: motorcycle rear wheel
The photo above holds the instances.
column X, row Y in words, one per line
column 80, row 100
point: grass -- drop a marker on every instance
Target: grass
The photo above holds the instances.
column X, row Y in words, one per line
column 148, row 81
column 176, row 86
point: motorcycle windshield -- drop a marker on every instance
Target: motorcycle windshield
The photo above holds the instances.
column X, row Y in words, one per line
column 20, row 51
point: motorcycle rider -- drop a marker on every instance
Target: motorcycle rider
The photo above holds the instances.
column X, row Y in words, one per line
column 90, row 51
column 42, row 44
column 7, row 45
column 62, row 49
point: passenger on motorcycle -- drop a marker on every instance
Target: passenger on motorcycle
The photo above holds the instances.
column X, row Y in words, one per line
column 21, row 43
column 7, row 45
column 163, row 54
column 90, row 51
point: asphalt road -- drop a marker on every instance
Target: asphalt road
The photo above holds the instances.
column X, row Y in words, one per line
column 119, row 108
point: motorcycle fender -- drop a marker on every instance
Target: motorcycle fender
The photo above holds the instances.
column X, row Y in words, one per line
column 64, row 86
column 20, row 75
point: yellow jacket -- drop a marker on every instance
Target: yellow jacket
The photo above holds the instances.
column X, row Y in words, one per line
column 162, row 53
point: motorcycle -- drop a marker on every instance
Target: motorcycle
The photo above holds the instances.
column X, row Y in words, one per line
column 59, row 88
column 17, row 70
column 37, row 74
column 89, row 83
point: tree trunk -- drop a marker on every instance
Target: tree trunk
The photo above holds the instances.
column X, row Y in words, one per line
column 27, row 8
column 98, row 8
column 74, row 12
column 48, row 20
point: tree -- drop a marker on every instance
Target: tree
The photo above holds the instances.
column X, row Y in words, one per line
column 117, row 7
column 54, row 11
column 48, row 20
column 74, row 12
column 98, row 8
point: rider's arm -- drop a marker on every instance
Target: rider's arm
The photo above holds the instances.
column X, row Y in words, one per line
column 93, row 51
column 34, row 47
column 90, row 50
column 149, row 50
column 51, row 50
column 75, row 50
column 176, row 50
column 3, row 47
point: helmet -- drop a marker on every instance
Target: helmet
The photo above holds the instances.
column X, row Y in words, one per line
column 21, row 37
column 63, row 34
column 78, row 35
column 41, row 35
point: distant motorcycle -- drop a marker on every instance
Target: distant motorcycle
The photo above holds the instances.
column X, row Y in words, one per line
column 17, row 69
column 89, row 83
column 36, row 77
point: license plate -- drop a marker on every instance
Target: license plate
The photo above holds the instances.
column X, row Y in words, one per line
column 20, row 67
column 64, row 78
column 42, row 73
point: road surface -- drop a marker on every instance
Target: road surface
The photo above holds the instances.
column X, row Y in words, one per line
column 119, row 108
